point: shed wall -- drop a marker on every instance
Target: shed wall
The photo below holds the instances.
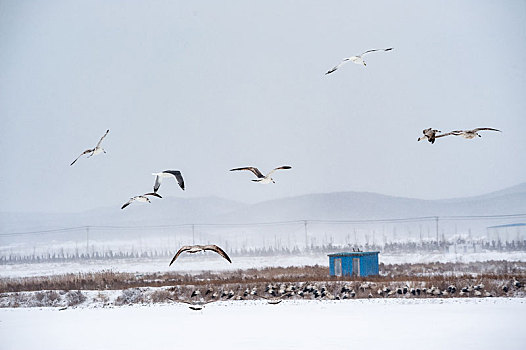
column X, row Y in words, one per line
column 368, row 265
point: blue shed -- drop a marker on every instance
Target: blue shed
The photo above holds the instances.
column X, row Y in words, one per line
column 353, row 264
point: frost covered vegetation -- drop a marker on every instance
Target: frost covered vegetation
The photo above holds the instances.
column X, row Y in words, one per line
column 459, row 246
column 107, row 288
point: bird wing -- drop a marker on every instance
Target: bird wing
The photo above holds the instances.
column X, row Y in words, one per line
column 374, row 50
column 252, row 169
column 218, row 251
column 102, row 138
column 338, row 66
column 199, row 303
column 153, row 194
column 274, row 301
column 157, row 183
column 277, row 298
column 184, row 248
column 178, row 177
column 454, row 132
column 196, row 307
column 190, row 302
column 127, row 203
column 279, row 168
column 83, row 153
column 479, row 129
column 430, row 131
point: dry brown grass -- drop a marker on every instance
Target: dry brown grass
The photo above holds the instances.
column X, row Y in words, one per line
column 437, row 274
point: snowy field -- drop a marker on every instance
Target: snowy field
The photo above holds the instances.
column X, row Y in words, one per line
column 196, row 263
column 489, row 323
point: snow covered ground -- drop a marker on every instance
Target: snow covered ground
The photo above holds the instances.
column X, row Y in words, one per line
column 489, row 323
column 196, row 263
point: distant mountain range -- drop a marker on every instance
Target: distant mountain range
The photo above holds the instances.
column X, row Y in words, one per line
column 324, row 206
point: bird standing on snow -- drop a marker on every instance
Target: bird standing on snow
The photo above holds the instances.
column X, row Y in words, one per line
column 143, row 198
column 168, row 173
column 264, row 179
column 93, row 151
column 356, row 59
column 199, row 248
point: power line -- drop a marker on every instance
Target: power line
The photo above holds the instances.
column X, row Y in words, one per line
column 67, row 229
column 476, row 217
column 274, row 223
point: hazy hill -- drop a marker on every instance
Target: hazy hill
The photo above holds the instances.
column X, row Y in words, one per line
column 324, row 206
column 365, row 205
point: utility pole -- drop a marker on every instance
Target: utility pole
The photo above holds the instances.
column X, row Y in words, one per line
column 306, row 236
column 87, row 241
column 436, row 223
column 193, row 234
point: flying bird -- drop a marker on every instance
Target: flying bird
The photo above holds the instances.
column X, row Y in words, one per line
column 468, row 134
column 356, row 59
column 168, row 173
column 430, row 135
column 199, row 248
column 197, row 305
column 275, row 300
column 142, row 198
column 194, row 305
column 264, row 179
column 93, row 151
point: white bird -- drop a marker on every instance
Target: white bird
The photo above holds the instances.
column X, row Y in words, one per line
column 264, row 179
column 356, row 59
column 143, row 198
column 468, row 134
column 93, row 151
column 168, row 173
column 199, row 248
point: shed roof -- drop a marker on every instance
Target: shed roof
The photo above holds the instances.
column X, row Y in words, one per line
column 356, row 254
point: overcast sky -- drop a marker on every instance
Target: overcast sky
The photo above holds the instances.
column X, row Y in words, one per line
column 205, row 86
